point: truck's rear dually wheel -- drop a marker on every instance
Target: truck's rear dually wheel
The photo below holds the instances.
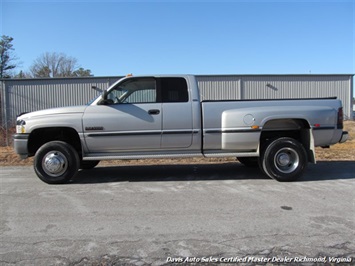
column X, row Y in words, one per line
column 284, row 159
column 56, row 162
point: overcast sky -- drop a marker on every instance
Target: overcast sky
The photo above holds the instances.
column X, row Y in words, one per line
column 202, row 37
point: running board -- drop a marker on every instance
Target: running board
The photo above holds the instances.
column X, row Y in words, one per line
column 140, row 156
column 231, row 154
column 97, row 156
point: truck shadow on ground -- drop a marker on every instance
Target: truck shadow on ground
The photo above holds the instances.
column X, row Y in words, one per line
column 170, row 172
column 324, row 170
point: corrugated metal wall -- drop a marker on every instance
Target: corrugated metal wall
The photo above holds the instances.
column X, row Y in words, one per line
column 294, row 87
column 245, row 87
column 26, row 95
column 219, row 87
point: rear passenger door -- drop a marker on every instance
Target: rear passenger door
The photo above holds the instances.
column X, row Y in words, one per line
column 177, row 126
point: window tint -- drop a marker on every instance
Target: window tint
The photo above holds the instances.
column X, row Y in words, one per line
column 174, row 90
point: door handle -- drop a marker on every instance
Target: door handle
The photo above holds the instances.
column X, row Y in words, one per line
column 154, row 112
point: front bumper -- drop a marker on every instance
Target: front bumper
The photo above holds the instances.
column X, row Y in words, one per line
column 344, row 137
column 20, row 145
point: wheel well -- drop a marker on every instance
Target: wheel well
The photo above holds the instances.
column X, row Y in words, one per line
column 298, row 129
column 43, row 135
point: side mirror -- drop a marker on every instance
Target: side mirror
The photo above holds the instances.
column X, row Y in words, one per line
column 104, row 94
column 104, row 100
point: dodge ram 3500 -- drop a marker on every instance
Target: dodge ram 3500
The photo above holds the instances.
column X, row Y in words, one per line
column 161, row 116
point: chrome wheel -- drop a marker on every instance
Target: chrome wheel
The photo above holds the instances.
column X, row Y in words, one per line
column 54, row 163
column 286, row 160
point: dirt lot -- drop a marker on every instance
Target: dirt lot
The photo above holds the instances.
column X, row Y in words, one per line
column 338, row 152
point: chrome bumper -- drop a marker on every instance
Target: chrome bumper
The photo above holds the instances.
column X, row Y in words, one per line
column 20, row 145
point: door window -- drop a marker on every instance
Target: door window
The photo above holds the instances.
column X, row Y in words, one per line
column 174, row 90
column 135, row 91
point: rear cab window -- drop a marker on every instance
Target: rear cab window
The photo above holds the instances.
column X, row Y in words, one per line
column 174, row 90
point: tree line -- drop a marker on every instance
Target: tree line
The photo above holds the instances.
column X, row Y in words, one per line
column 47, row 65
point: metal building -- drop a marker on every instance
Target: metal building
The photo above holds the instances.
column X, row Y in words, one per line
column 26, row 95
column 245, row 87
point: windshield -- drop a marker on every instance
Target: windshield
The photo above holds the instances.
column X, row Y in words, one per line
column 93, row 99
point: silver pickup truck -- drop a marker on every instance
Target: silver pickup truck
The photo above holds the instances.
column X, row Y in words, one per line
column 147, row 117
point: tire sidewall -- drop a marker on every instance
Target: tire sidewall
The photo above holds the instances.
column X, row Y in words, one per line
column 268, row 159
column 68, row 151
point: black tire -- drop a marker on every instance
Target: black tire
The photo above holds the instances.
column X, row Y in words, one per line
column 87, row 165
column 56, row 162
column 249, row 161
column 284, row 159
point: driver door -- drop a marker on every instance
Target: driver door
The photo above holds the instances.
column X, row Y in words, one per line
column 130, row 121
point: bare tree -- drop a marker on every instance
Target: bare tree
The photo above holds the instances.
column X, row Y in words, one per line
column 54, row 65
column 22, row 75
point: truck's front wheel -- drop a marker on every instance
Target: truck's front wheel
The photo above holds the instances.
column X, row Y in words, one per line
column 284, row 159
column 56, row 162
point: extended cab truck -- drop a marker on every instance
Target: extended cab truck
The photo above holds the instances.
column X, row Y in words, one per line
column 163, row 117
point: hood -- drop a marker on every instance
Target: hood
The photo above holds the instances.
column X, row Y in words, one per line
column 54, row 111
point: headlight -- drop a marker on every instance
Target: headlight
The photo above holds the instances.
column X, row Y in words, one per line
column 20, row 126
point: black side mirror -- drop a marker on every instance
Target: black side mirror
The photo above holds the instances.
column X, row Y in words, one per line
column 104, row 100
column 104, row 94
